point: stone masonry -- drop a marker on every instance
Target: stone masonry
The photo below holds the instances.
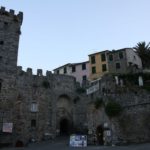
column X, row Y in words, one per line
column 53, row 96
column 43, row 107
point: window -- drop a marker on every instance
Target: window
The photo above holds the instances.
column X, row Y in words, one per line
column 33, row 123
column 93, row 59
column 65, row 70
column 57, row 71
column 93, row 70
column 1, row 58
column 1, row 42
column 111, row 57
column 5, row 25
column 121, row 55
column 117, row 65
column 84, row 78
column 0, row 85
column 73, row 68
column 34, row 107
column 103, row 57
column 84, row 66
column 104, row 67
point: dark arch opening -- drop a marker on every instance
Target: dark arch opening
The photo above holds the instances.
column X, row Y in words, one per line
column 64, row 127
column 64, row 96
column 100, row 135
column 19, row 143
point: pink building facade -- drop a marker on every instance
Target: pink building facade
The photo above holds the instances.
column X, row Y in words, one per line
column 78, row 70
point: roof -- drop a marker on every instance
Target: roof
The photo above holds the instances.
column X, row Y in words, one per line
column 98, row 52
column 70, row 64
column 80, row 63
column 118, row 50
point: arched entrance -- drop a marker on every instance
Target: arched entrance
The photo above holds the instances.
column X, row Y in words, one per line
column 64, row 115
column 100, row 135
column 19, row 144
column 64, row 126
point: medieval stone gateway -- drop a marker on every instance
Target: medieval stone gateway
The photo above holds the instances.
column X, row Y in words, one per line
column 36, row 107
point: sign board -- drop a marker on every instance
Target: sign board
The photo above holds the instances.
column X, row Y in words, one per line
column 78, row 141
column 105, row 125
column 117, row 80
column 92, row 89
column 140, row 81
column 108, row 133
column 7, row 127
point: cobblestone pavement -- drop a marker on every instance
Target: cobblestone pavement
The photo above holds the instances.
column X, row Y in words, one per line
column 63, row 145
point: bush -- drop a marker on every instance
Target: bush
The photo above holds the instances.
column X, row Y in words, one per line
column 98, row 103
column 146, row 87
column 130, row 78
column 133, row 78
column 80, row 90
column 113, row 109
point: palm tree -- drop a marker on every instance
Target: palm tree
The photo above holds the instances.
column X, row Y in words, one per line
column 143, row 51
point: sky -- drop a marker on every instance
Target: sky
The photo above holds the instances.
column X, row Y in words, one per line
column 56, row 32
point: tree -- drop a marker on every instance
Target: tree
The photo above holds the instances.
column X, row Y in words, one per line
column 143, row 51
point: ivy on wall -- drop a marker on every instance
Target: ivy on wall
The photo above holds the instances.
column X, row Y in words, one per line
column 113, row 109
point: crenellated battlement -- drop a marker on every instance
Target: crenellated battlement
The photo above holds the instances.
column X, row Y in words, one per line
column 39, row 73
column 29, row 72
column 11, row 13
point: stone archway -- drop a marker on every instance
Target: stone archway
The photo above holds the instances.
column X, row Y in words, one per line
column 64, row 114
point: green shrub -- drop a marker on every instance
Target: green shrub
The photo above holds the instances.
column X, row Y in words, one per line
column 147, row 88
column 133, row 78
column 130, row 78
column 113, row 109
column 80, row 90
column 98, row 103
column 146, row 76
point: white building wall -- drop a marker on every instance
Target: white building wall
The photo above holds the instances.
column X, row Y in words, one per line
column 61, row 70
column 78, row 74
column 133, row 57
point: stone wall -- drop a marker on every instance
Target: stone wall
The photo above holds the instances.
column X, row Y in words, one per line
column 37, row 104
column 132, row 125
column 55, row 97
column 10, row 24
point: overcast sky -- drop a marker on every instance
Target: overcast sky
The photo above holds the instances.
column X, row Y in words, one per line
column 56, row 32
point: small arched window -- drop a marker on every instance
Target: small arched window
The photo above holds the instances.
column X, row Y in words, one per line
column 33, row 123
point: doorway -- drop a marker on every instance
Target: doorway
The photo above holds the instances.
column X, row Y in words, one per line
column 100, row 135
column 64, row 127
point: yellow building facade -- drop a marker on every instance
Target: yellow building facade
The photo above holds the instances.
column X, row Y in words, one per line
column 98, row 65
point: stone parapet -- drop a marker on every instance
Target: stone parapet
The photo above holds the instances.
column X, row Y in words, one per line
column 11, row 13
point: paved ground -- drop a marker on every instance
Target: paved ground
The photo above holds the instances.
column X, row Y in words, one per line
column 63, row 145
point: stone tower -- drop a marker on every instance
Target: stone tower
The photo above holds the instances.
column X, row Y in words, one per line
column 10, row 24
column 9, row 39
